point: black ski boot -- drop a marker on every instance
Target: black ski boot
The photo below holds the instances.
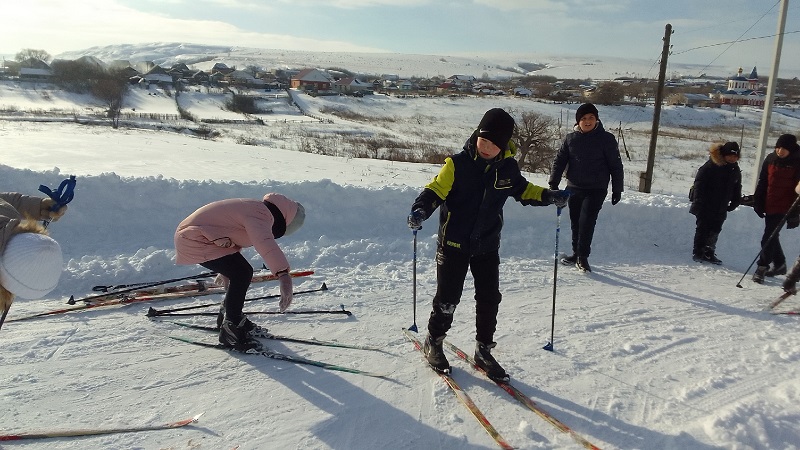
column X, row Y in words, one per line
column 758, row 276
column 434, row 353
column 710, row 256
column 569, row 260
column 583, row 264
column 790, row 283
column 255, row 331
column 236, row 336
column 776, row 269
column 485, row 360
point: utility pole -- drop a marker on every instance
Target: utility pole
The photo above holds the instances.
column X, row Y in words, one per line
column 773, row 81
column 646, row 178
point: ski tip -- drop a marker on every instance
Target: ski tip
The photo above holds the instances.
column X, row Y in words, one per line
column 195, row 418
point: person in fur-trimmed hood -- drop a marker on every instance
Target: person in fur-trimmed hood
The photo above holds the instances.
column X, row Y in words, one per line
column 717, row 190
column 30, row 261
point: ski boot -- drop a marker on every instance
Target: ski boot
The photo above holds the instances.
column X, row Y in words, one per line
column 485, row 360
column 434, row 353
column 235, row 336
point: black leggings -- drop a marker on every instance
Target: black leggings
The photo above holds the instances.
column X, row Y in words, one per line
column 451, row 272
column 240, row 273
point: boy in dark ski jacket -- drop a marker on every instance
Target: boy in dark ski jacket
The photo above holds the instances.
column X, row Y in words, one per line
column 717, row 190
column 472, row 188
column 590, row 157
column 773, row 198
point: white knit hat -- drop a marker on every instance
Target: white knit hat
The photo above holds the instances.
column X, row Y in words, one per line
column 31, row 265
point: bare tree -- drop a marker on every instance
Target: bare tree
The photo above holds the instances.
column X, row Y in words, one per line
column 608, row 93
column 536, row 136
column 28, row 53
column 111, row 87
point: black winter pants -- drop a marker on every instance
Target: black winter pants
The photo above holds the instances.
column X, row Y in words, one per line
column 451, row 272
column 706, row 232
column 772, row 252
column 584, row 207
column 240, row 273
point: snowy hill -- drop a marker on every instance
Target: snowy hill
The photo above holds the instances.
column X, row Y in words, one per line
column 404, row 65
column 651, row 350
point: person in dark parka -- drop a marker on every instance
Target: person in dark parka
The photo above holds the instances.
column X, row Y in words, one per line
column 590, row 156
column 717, row 190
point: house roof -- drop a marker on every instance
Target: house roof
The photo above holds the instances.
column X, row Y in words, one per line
column 312, row 75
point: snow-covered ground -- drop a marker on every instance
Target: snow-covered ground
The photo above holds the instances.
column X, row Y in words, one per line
column 651, row 350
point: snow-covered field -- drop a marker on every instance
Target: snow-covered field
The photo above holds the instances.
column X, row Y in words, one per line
column 652, row 350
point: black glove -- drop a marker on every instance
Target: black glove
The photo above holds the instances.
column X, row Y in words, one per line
column 615, row 197
column 558, row 198
column 792, row 222
column 415, row 219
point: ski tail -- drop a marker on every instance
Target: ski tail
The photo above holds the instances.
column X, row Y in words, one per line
column 523, row 399
column 98, row 431
column 266, row 352
column 277, row 337
column 464, row 398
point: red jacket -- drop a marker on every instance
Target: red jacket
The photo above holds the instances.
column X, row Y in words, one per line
column 776, row 182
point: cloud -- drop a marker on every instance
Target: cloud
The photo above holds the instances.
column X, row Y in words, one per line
column 578, row 7
column 58, row 26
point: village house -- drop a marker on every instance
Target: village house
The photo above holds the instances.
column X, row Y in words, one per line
column 351, row 86
column 313, row 80
column 35, row 69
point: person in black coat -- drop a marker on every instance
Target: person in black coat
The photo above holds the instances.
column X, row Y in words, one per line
column 590, row 156
column 716, row 191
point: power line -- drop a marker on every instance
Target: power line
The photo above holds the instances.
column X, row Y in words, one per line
column 733, row 42
column 730, row 44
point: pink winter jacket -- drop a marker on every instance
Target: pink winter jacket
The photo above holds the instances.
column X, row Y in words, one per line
column 225, row 227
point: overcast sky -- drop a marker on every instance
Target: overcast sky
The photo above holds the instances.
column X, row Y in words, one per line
column 704, row 31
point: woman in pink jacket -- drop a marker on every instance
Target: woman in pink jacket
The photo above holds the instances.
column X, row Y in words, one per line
column 213, row 237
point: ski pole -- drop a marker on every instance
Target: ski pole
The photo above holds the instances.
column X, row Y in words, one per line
column 549, row 345
column 769, row 240
column 152, row 312
column 60, row 196
column 413, row 326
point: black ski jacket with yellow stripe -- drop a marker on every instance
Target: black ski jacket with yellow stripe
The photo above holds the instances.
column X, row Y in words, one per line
column 472, row 192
